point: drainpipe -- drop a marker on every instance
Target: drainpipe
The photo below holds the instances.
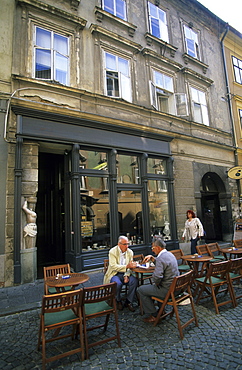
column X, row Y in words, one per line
column 234, row 137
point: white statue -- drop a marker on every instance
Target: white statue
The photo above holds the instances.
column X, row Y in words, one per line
column 30, row 229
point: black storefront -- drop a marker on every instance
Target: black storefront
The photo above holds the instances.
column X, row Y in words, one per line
column 96, row 181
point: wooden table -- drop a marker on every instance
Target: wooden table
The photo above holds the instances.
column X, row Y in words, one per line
column 194, row 261
column 60, row 283
column 141, row 271
column 234, row 252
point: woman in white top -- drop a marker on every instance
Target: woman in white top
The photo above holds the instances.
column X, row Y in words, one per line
column 193, row 230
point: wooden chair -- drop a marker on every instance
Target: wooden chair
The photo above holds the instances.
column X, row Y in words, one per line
column 179, row 291
column 182, row 266
column 215, row 251
column 237, row 243
column 53, row 271
column 100, row 301
column 58, row 311
column 216, row 277
column 144, row 276
column 235, row 275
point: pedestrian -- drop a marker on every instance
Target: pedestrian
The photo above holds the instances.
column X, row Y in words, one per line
column 193, row 230
column 120, row 263
column 166, row 268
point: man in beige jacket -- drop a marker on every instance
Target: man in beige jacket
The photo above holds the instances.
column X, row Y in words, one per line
column 120, row 263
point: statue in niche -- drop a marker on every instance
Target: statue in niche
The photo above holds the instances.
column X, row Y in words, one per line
column 30, row 229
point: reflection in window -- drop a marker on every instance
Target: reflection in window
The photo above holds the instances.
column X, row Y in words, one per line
column 93, row 160
column 158, row 209
column 94, row 214
column 127, row 169
column 156, row 165
column 115, row 7
column 130, row 224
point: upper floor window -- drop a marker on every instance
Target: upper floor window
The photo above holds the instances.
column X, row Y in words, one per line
column 191, row 41
column 163, row 97
column 115, row 7
column 199, row 105
column 158, row 23
column 237, row 63
column 118, row 82
column 240, row 116
column 51, row 52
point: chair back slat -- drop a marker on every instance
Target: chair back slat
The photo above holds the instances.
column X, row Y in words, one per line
column 181, row 282
column 236, row 265
column 50, row 271
column 100, row 293
column 238, row 243
column 202, row 249
column 61, row 302
column 218, row 268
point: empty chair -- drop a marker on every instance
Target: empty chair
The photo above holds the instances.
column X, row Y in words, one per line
column 99, row 301
column 52, row 271
column 179, row 291
column 182, row 266
column 235, row 274
column 216, row 277
column 58, row 311
column 215, row 252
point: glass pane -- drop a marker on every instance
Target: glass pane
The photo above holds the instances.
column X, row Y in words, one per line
column 61, row 64
column 120, row 9
column 109, row 6
column 111, row 62
column 158, row 207
column 155, row 30
column 43, row 38
column 95, row 230
column 61, row 44
column 93, row 160
column 123, row 66
column 202, row 98
column 162, row 15
column 112, row 84
column 191, row 48
column 127, row 169
column 43, row 64
column 168, row 83
column 125, row 87
column 159, row 79
column 205, row 115
column 237, row 75
column 157, row 166
column 130, row 216
column 197, row 113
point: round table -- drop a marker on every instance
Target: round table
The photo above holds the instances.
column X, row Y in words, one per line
column 73, row 280
column 194, row 261
column 236, row 252
column 139, row 270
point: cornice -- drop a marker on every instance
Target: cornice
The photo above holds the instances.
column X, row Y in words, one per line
column 163, row 45
column 198, row 76
column 187, row 58
column 54, row 11
column 103, row 31
column 171, row 63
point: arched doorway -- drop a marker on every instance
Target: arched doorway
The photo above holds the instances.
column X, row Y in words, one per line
column 212, row 188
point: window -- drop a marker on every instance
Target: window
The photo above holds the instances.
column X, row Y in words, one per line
column 240, row 116
column 117, row 77
column 191, row 41
column 199, row 105
column 51, row 53
column 163, row 97
column 115, row 7
column 237, row 63
column 158, row 23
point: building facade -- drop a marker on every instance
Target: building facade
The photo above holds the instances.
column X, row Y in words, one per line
column 114, row 122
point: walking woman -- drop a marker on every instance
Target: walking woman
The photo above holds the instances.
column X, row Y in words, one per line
column 193, row 230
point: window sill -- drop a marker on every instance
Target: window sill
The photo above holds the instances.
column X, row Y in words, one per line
column 187, row 58
column 100, row 14
column 163, row 44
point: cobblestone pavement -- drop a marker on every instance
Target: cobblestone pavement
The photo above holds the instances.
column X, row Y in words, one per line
column 216, row 343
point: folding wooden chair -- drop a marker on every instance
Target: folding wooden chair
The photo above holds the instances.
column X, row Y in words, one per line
column 100, row 301
column 216, row 277
column 237, row 243
column 179, row 291
column 53, row 271
column 182, row 266
column 215, row 252
column 235, row 275
column 58, row 311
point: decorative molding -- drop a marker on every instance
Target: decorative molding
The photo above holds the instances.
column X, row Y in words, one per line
column 49, row 9
column 198, row 76
column 163, row 44
column 75, row 4
column 171, row 63
column 187, row 58
column 114, row 36
column 100, row 14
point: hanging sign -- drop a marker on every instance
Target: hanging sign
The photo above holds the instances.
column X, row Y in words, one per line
column 235, row 173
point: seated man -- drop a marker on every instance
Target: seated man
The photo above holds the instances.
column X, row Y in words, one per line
column 166, row 268
column 120, row 263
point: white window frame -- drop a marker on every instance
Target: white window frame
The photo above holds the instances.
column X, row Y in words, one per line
column 116, row 4
column 198, row 99
column 237, row 64
column 240, row 117
column 155, row 15
column 124, row 81
column 53, row 56
column 191, row 42
column 176, row 102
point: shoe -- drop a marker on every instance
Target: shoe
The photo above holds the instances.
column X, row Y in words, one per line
column 130, row 307
column 119, row 305
column 150, row 319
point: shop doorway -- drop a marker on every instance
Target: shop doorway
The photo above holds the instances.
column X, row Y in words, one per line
column 50, row 212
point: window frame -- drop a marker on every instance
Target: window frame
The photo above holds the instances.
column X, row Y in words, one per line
column 115, row 5
column 203, row 107
column 53, row 53
column 123, row 80
column 162, row 25
column 196, row 45
column 237, row 69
